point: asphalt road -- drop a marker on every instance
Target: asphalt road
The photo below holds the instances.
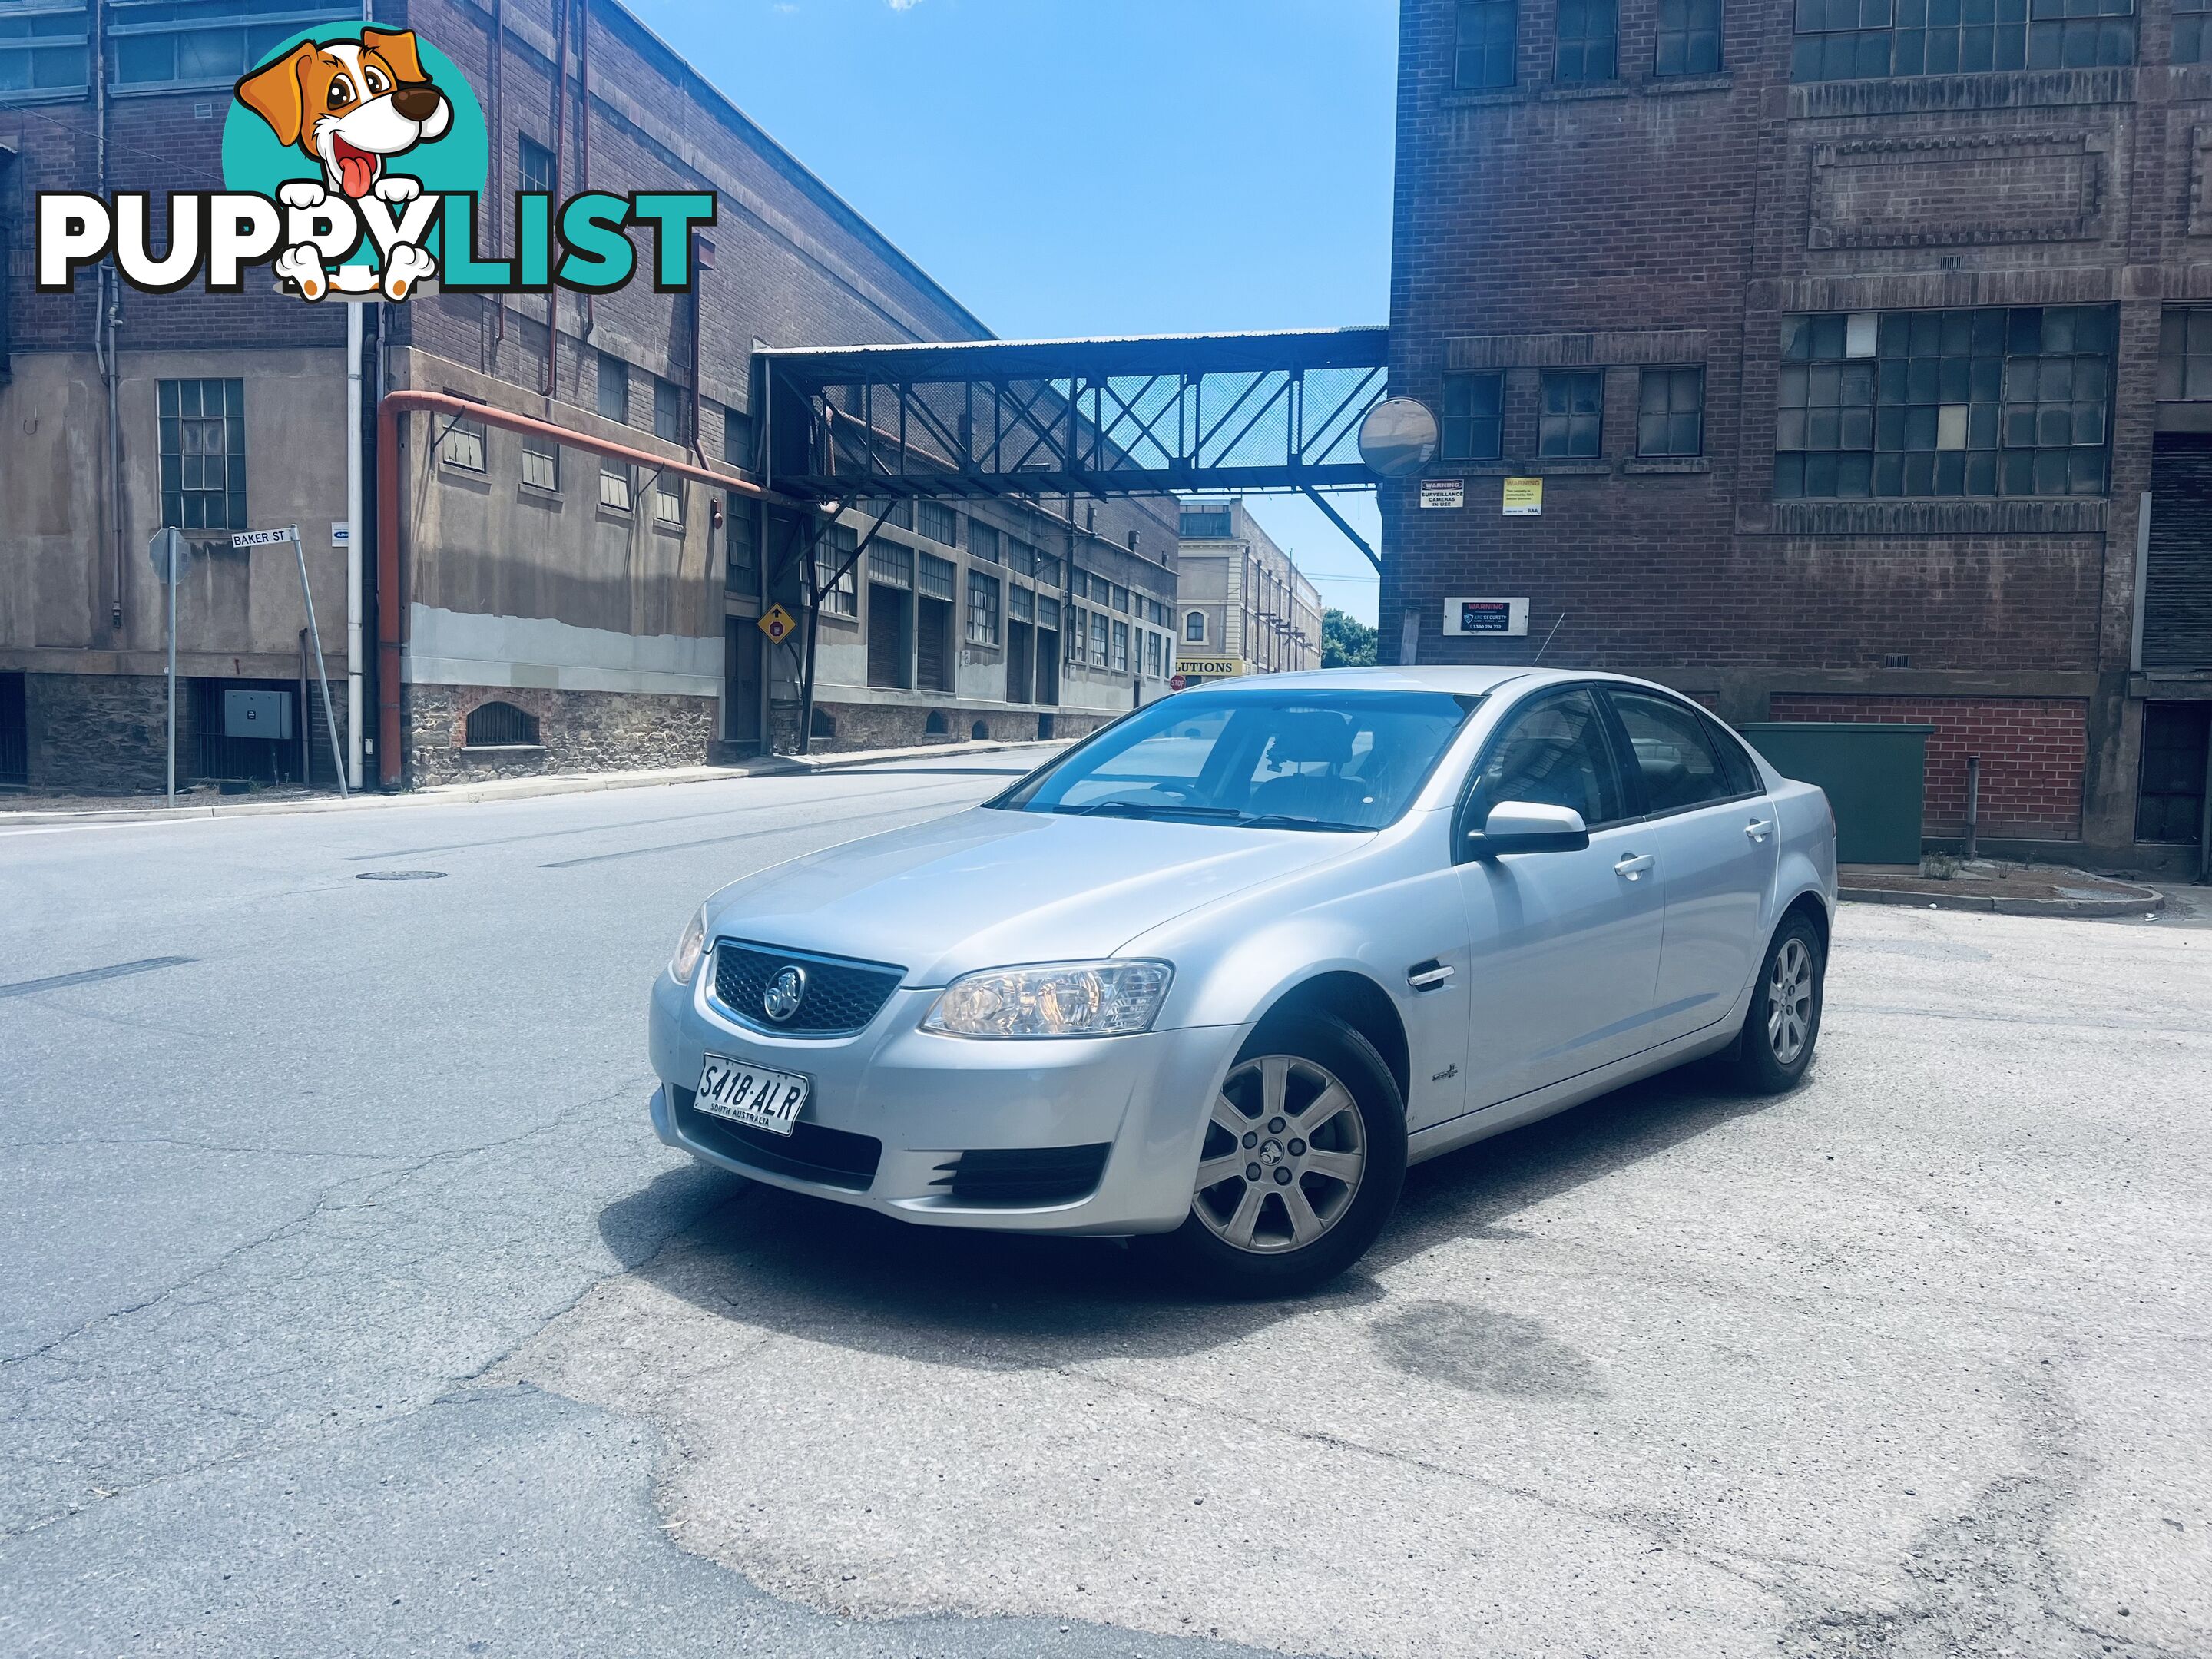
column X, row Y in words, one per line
column 349, row 1307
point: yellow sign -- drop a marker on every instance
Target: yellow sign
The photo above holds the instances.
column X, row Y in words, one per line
column 1524, row 498
column 1212, row 668
column 777, row 624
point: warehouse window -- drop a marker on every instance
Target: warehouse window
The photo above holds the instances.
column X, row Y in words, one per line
column 933, row 577
column 835, row 557
column 1472, row 426
column 616, row 484
column 1854, row 40
column 668, row 501
column 614, row 388
column 1988, row 402
column 464, row 445
column 44, row 51
column 1100, row 634
column 1689, row 37
column 1569, row 425
column 204, row 454
column 536, row 167
column 1205, row 523
column 1670, row 412
column 541, row 463
column 938, row 522
column 983, row 608
column 164, row 44
column 2184, row 355
column 1077, row 634
column 667, row 410
column 737, row 440
column 500, row 725
column 983, row 540
column 2191, row 38
column 1121, row 648
column 741, row 545
column 1588, row 42
column 1486, row 46
column 1194, row 628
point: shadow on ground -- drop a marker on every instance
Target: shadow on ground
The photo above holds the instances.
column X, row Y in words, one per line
column 833, row 1273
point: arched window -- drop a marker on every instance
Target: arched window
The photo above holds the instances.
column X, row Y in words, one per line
column 1194, row 628
column 937, row 725
column 501, row 725
column 979, row 733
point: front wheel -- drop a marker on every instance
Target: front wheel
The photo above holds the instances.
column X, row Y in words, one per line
column 1303, row 1157
column 1784, row 1022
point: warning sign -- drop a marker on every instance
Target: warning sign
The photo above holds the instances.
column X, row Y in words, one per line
column 1443, row 493
column 1524, row 498
column 777, row 624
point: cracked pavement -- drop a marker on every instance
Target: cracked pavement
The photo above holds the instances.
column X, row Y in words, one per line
column 351, row 1308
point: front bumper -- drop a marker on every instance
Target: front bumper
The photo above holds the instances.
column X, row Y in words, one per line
column 928, row 1099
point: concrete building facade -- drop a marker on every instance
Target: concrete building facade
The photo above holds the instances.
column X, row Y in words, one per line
column 564, row 601
column 1240, row 598
column 1866, row 365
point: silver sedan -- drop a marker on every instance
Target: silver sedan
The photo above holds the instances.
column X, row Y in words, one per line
column 1218, row 974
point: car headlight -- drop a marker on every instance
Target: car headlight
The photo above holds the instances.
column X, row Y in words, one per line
column 1052, row 1000
column 690, row 948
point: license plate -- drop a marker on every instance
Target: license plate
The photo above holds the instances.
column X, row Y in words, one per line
column 748, row 1095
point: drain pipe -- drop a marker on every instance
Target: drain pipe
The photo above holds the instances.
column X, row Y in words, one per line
column 354, row 488
column 390, row 633
column 1973, row 807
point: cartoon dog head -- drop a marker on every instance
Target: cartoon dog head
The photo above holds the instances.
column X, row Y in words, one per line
column 350, row 104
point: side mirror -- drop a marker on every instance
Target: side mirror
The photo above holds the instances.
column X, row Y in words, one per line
column 1520, row 826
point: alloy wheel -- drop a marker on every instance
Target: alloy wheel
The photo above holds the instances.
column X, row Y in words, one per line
column 1790, row 1002
column 1285, row 1152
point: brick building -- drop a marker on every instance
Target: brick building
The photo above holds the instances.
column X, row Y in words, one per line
column 564, row 600
column 1240, row 597
column 1864, row 350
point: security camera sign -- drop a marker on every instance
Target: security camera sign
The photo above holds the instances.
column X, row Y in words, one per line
column 1508, row 617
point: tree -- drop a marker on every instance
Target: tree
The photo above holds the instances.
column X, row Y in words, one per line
column 1345, row 641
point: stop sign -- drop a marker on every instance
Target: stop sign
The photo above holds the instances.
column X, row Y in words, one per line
column 1177, row 683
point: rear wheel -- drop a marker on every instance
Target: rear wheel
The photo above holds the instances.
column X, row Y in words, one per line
column 1303, row 1157
column 1784, row 1022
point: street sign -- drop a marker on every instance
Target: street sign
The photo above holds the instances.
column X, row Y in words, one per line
column 1177, row 683
column 1507, row 617
column 777, row 624
column 261, row 538
column 1524, row 498
column 168, row 551
column 1443, row 492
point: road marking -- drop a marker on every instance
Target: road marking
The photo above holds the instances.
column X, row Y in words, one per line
column 749, row 835
column 26, row 987
column 630, row 824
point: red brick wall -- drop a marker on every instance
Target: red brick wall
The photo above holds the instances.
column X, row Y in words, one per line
column 2032, row 751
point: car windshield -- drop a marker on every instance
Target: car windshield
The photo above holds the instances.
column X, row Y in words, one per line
column 1263, row 759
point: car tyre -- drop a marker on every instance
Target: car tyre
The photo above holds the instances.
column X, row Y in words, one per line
column 1783, row 1024
column 1340, row 1181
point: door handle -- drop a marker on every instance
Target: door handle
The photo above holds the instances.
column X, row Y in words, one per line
column 1428, row 975
column 1633, row 866
column 1760, row 828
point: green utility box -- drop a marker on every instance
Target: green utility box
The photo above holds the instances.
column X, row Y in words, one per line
column 1875, row 776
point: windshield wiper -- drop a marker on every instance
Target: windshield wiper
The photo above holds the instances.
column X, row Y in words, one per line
column 1285, row 821
column 1145, row 809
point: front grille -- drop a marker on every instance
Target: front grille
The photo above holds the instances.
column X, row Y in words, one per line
column 1042, row 1174
column 841, row 997
column 834, row 1158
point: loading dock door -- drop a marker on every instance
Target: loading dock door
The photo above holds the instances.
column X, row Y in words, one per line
column 2177, row 578
column 743, row 659
column 933, row 644
column 1019, row 637
column 2177, row 751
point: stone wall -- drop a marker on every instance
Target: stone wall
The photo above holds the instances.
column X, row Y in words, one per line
column 103, row 733
column 577, row 732
column 860, row 726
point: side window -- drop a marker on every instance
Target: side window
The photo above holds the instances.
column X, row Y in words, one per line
column 1742, row 776
column 1672, row 753
column 1553, row 754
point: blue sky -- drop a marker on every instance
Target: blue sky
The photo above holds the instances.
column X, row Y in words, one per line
column 1099, row 166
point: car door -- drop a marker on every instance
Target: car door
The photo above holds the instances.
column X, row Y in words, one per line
column 1707, row 818
column 1564, row 947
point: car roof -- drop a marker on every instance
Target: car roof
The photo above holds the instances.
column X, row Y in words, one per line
column 1471, row 679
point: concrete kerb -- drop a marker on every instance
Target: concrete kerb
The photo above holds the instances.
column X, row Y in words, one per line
column 2148, row 903
column 523, row 788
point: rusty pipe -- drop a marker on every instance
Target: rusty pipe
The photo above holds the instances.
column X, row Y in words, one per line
column 388, row 613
